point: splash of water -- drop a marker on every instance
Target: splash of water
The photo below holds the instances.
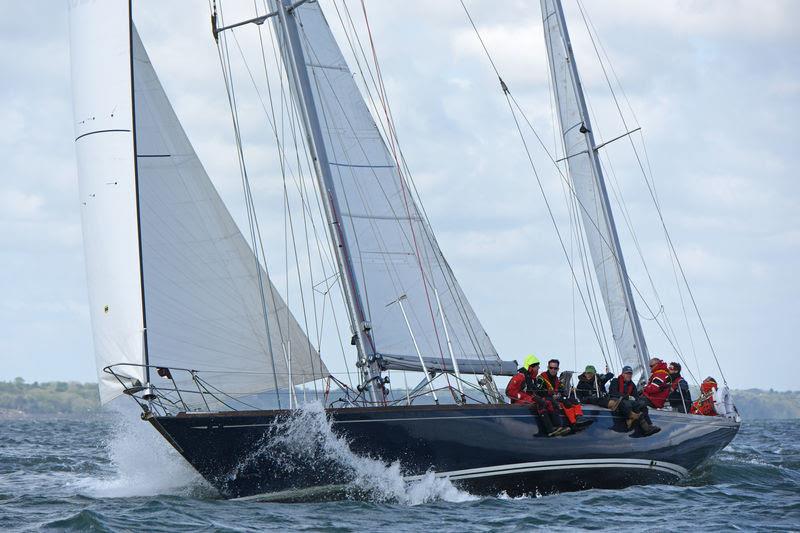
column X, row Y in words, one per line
column 142, row 463
column 306, row 437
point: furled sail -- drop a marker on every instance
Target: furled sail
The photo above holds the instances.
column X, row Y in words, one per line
column 392, row 251
column 589, row 189
column 180, row 265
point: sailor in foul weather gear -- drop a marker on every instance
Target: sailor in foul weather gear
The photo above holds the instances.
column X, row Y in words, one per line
column 548, row 386
column 522, row 389
column 624, row 400
column 705, row 404
column 680, row 398
column 591, row 386
column 657, row 388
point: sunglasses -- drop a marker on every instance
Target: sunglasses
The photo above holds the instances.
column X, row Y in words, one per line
column 553, row 367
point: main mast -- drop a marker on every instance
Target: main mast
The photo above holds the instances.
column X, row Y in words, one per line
column 554, row 8
column 295, row 67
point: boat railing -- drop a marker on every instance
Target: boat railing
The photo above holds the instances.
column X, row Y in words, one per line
column 171, row 390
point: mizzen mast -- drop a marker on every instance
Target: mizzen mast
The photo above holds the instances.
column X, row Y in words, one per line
column 589, row 188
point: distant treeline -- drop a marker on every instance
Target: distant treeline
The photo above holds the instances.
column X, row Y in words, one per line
column 60, row 397
column 51, row 398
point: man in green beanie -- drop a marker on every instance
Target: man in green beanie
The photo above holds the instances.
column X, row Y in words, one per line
column 591, row 387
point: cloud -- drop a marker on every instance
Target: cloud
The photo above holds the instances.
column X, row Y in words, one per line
column 717, row 105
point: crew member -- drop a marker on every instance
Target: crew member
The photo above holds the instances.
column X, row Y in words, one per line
column 548, row 386
column 657, row 388
column 624, row 400
column 705, row 403
column 591, row 387
column 522, row 389
column 680, row 399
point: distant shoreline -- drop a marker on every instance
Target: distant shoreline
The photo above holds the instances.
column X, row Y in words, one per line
column 19, row 399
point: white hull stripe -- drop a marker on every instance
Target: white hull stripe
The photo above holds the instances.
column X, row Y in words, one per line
column 569, row 464
column 518, row 468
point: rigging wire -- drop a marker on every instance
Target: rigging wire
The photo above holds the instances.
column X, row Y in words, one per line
column 224, row 57
column 511, row 99
column 654, row 198
column 461, row 306
column 392, row 143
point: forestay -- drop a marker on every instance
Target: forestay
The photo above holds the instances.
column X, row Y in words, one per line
column 392, row 250
column 590, row 193
column 202, row 294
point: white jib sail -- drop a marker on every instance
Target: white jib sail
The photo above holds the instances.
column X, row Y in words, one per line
column 202, row 294
column 585, row 174
column 201, row 298
column 392, row 250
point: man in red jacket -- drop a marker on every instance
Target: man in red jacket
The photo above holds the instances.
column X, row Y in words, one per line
column 658, row 386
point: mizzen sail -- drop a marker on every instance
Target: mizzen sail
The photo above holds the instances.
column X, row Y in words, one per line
column 589, row 189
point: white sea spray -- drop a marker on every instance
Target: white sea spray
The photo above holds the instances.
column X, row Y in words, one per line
column 306, row 437
column 142, row 463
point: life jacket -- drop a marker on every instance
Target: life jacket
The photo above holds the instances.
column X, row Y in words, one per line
column 658, row 386
column 551, row 383
column 705, row 404
column 675, row 382
column 624, row 388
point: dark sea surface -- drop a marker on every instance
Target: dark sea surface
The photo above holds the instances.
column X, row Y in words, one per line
column 113, row 473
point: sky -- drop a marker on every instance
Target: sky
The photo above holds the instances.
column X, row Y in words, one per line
column 714, row 85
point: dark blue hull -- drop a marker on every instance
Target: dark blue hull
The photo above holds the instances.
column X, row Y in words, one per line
column 485, row 449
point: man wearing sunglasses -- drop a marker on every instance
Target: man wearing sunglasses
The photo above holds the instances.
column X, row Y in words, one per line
column 548, row 386
column 522, row 389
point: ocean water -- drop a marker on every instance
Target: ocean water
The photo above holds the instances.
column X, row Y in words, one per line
column 112, row 472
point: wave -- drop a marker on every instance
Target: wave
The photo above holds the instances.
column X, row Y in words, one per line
column 141, row 463
column 305, row 438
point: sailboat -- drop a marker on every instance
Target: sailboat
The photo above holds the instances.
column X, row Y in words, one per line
column 187, row 321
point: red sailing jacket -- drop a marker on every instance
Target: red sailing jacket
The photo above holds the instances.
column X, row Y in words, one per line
column 705, row 404
column 516, row 390
column 657, row 388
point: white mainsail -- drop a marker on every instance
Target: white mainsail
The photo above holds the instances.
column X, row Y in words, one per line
column 196, row 283
column 589, row 189
column 391, row 250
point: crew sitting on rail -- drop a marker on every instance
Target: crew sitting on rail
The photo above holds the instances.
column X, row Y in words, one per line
column 591, row 386
column 705, row 403
column 624, row 399
column 548, row 386
column 522, row 389
column 658, row 385
column 680, row 398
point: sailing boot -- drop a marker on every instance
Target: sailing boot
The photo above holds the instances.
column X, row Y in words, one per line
column 648, row 428
column 549, row 428
column 632, row 419
column 582, row 423
column 556, row 422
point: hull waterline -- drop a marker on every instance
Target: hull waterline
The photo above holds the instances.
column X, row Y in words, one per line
column 485, row 449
